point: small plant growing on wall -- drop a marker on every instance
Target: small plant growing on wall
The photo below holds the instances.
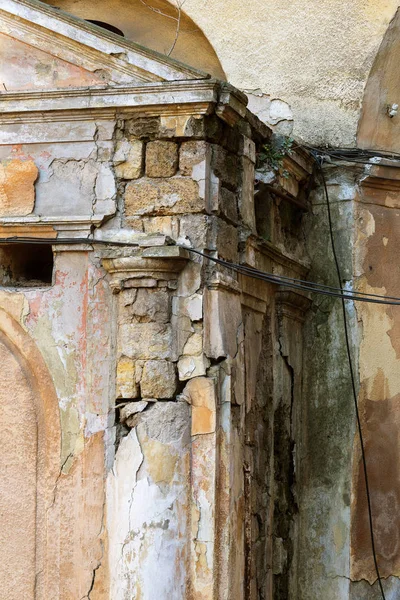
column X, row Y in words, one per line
column 270, row 159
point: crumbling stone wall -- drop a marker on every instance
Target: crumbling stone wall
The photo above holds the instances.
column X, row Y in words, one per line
column 201, row 354
column 172, row 442
column 175, row 350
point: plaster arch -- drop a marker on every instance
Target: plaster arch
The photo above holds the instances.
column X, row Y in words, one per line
column 141, row 22
column 33, row 459
column 376, row 129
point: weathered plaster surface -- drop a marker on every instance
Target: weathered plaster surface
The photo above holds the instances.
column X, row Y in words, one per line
column 148, row 496
column 375, row 262
column 313, row 57
column 23, row 67
column 17, row 479
column 327, row 414
column 150, row 385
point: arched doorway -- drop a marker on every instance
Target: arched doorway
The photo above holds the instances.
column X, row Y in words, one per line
column 29, row 462
column 18, row 475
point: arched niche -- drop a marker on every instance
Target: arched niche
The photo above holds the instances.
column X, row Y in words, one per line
column 29, row 466
column 377, row 130
column 151, row 23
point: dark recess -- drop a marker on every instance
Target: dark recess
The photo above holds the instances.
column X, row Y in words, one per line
column 26, row 265
column 107, row 26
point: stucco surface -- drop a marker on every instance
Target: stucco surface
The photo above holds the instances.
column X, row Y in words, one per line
column 314, row 56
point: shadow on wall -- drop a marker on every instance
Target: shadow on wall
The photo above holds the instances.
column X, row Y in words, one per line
column 156, row 24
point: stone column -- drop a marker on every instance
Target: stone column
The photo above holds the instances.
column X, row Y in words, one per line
column 149, row 485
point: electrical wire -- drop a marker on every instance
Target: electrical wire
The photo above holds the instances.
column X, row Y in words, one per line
column 301, row 283
column 287, row 282
column 353, row 384
column 281, row 280
column 354, row 155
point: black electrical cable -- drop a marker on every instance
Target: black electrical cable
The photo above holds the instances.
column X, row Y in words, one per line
column 353, row 384
column 354, row 155
column 301, row 283
column 289, row 282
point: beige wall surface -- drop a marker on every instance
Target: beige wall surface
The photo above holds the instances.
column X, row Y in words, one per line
column 314, row 56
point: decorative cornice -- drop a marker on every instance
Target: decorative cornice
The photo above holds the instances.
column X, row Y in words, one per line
column 160, row 263
column 383, row 176
column 165, row 98
column 264, row 248
column 35, row 226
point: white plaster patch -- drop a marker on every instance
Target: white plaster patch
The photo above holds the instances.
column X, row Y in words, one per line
column 279, row 111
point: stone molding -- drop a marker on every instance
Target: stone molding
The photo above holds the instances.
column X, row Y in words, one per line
column 166, row 98
column 151, row 264
column 383, row 176
column 292, row 304
column 48, row 227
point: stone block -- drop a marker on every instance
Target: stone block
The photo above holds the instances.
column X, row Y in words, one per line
column 151, row 305
column 194, row 345
column 158, row 379
column 128, row 159
column 161, row 159
column 192, row 366
column 160, row 197
column 17, row 191
column 135, row 223
column 142, row 127
column 176, row 126
column 168, row 226
column 228, row 204
column 105, row 187
column 191, row 306
column 200, row 393
column 226, row 167
column 249, row 149
column 182, row 330
column 133, row 408
column 143, row 341
column 126, row 383
column 222, row 201
column 191, row 154
column 246, row 198
column 224, row 239
column 190, row 280
column 223, row 318
column 194, row 229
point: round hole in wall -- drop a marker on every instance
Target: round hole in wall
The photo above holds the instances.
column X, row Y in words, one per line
column 107, row 26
